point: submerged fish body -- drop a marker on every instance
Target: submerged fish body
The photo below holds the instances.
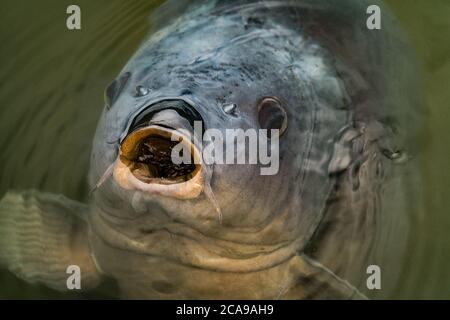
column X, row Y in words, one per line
column 349, row 105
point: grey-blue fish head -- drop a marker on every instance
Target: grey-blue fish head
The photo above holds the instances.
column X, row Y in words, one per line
column 221, row 72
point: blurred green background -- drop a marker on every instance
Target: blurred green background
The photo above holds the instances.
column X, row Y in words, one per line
column 50, row 75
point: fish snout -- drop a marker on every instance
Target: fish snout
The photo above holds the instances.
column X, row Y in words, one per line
column 159, row 154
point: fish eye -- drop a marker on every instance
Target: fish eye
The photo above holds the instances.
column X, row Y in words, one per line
column 114, row 89
column 271, row 115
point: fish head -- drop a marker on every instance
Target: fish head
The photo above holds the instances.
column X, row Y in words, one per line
column 221, row 76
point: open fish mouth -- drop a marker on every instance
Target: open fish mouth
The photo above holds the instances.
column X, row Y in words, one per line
column 149, row 154
column 146, row 161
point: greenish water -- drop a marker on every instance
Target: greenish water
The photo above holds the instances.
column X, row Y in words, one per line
column 429, row 28
column 50, row 74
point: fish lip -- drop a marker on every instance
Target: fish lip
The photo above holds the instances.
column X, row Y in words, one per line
column 188, row 189
column 154, row 101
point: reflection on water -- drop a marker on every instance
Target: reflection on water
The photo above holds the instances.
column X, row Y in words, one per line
column 51, row 88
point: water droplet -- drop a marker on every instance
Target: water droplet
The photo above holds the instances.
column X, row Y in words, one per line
column 230, row 108
column 142, row 91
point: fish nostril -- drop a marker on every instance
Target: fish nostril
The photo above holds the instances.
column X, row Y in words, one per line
column 230, row 108
column 142, row 91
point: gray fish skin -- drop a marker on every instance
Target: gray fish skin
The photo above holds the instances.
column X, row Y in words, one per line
column 330, row 72
column 344, row 88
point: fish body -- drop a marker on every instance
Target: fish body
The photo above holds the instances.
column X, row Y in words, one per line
column 347, row 101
